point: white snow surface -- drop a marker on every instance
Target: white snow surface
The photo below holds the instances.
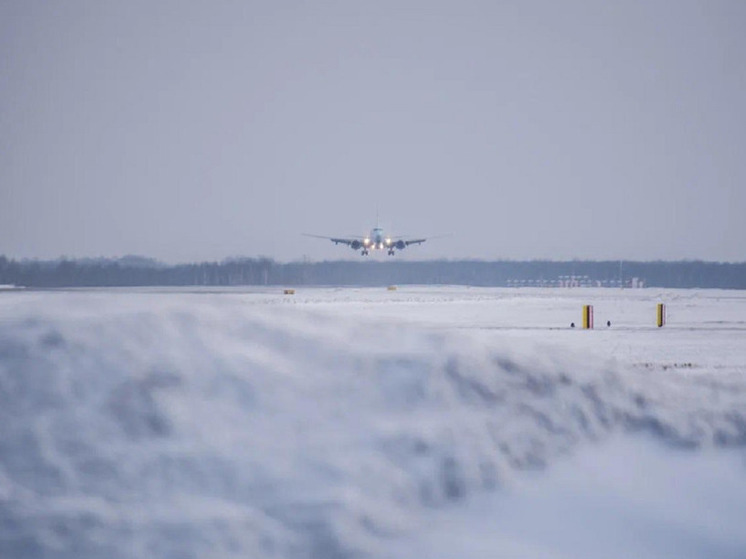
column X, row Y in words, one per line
column 335, row 423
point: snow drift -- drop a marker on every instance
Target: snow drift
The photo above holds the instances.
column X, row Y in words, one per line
column 203, row 427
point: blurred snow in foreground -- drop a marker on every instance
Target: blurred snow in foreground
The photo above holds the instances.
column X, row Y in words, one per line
column 356, row 424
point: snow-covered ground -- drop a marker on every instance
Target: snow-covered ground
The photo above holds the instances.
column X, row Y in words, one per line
column 333, row 423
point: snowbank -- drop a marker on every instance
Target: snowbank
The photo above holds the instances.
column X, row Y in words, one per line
column 137, row 426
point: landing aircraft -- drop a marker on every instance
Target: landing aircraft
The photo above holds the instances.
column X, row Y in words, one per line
column 376, row 240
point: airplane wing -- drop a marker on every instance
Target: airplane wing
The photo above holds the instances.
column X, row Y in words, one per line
column 408, row 242
column 350, row 241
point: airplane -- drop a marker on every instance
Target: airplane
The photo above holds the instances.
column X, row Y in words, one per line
column 376, row 240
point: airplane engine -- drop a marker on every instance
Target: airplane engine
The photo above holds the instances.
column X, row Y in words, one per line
column 355, row 245
column 401, row 245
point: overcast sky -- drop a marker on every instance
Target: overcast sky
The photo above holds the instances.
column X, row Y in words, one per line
column 204, row 130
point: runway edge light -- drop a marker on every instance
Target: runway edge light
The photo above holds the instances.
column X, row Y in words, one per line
column 661, row 315
column 587, row 317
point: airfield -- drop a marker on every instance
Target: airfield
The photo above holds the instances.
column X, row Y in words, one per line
column 419, row 421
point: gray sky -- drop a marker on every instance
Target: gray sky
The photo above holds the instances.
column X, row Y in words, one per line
column 202, row 130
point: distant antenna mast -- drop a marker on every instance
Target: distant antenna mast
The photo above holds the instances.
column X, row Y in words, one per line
column 376, row 217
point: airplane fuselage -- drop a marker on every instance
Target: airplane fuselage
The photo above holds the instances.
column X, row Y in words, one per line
column 376, row 240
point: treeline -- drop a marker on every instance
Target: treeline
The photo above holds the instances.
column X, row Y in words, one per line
column 138, row 271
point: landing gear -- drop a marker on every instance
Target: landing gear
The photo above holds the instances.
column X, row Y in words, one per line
column 391, row 252
column 364, row 252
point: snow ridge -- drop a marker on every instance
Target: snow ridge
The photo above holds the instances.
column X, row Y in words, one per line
column 220, row 430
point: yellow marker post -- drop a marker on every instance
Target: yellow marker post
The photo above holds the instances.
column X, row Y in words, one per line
column 661, row 315
column 587, row 317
